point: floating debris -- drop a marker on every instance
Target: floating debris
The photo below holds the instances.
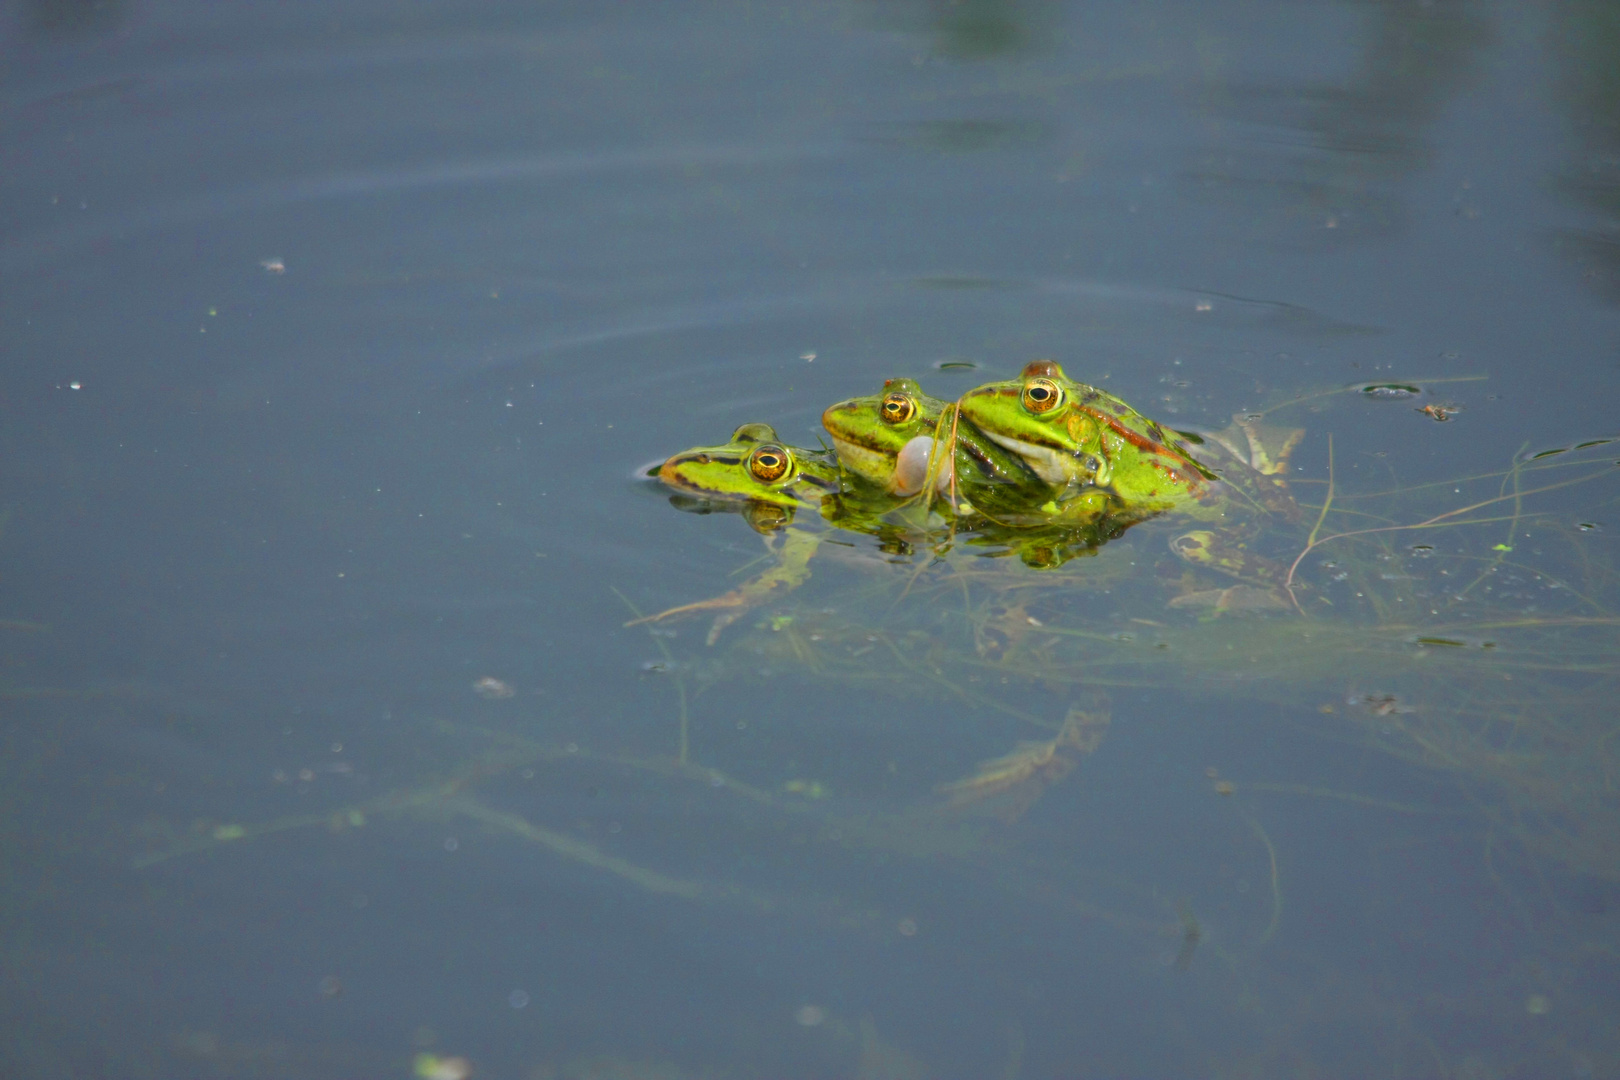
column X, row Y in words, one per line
column 433, row 1067
column 1380, row 704
column 1451, row 643
column 492, row 689
column 1191, row 935
column 1391, row 391
column 810, row 1016
column 810, row 789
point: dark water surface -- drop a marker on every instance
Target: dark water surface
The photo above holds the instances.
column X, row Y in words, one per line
column 331, row 335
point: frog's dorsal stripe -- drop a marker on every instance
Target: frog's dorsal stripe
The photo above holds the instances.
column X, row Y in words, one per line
column 804, row 476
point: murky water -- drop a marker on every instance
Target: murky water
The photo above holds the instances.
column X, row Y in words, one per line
column 333, row 336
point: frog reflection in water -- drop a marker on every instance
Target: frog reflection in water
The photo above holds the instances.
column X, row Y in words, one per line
column 1097, row 455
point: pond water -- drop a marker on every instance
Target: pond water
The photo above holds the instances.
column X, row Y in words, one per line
column 335, row 336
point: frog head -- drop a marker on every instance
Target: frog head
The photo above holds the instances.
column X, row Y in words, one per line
column 893, row 441
column 888, row 439
column 1076, row 436
column 1042, row 417
column 752, row 472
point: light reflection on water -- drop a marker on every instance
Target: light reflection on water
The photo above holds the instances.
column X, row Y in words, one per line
column 329, row 349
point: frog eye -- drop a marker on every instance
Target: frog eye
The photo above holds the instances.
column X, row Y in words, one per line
column 769, row 463
column 1042, row 395
column 897, row 407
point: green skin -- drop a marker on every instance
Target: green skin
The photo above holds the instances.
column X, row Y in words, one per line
column 725, row 475
column 998, row 499
column 889, row 439
column 1046, row 484
column 1098, row 455
column 768, row 481
column 1084, row 438
column 745, row 470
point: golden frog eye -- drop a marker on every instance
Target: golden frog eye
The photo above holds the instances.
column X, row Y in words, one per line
column 897, row 408
column 1042, row 395
column 769, row 463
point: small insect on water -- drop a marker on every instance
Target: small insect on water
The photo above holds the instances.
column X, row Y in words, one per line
column 1440, row 413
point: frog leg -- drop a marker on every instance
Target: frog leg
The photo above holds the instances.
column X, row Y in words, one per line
column 1268, row 447
column 791, row 569
column 1261, row 452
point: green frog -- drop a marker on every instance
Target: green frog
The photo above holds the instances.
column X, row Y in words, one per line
column 769, row 481
column 891, row 440
column 1101, row 458
column 755, row 473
